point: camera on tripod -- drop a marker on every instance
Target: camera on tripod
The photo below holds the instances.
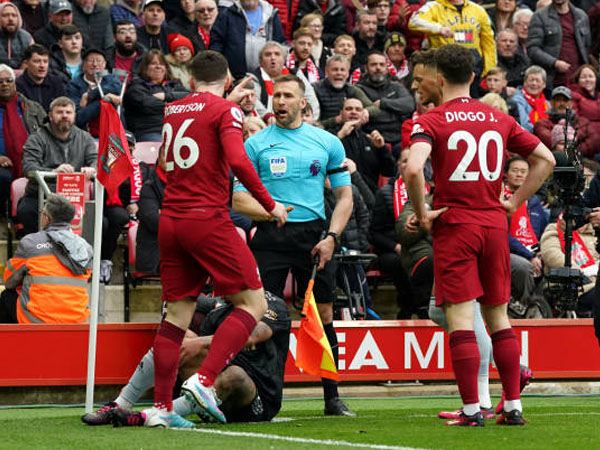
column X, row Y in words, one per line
column 564, row 284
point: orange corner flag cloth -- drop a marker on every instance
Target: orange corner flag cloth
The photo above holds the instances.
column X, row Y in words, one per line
column 313, row 352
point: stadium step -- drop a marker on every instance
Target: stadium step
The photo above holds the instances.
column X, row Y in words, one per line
column 145, row 302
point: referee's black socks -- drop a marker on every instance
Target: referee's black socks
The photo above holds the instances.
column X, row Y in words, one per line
column 330, row 389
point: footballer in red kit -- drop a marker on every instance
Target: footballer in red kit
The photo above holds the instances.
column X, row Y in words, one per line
column 467, row 141
column 202, row 136
column 202, row 139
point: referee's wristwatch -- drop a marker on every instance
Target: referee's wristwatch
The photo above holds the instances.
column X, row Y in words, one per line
column 335, row 236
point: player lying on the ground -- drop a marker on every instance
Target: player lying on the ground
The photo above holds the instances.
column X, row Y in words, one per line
column 249, row 388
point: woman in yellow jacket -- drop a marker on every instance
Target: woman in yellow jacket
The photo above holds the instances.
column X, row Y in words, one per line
column 461, row 22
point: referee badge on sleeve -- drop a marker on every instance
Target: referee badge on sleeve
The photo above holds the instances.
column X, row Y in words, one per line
column 278, row 166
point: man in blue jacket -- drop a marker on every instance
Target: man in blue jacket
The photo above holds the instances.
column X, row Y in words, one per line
column 84, row 92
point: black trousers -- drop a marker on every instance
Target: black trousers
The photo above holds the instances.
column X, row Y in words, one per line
column 279, row 250
column 27, row 214
column 115, row 218
column 8, row 306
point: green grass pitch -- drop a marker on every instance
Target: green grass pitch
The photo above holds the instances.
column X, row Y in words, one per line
column 383, row 423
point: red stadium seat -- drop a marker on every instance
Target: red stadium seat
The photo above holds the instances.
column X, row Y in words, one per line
column 17, row 190
column 382, row 181
column 147, row 152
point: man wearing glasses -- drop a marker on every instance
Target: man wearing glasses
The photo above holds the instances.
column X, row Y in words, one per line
column 127, row 52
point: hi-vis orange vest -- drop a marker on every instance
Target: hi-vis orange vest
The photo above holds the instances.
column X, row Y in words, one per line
column 50, row 292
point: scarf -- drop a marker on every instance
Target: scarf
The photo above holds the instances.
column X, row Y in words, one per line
column 520, row 224
column 312, row 73
column 399, row 73
column 269, row 83
column 401, row 195
column 15, row 135
column 538, row 106
column 204, row 35
column 580, row 254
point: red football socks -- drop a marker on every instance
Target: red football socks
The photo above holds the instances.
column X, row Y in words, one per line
column 166, row 360
column 230, row 338
column 507, row 357
column 465, row 361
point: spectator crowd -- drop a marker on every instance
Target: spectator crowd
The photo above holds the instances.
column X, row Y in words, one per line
column 537, row 61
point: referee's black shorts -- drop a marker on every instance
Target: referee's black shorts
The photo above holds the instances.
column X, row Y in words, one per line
column 279, row 250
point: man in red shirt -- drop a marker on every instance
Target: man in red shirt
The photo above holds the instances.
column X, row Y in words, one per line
column 467, row 141
column 202, row 140
column 127, row 53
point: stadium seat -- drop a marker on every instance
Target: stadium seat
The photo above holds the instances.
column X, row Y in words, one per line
column 17, row 190
column 382, row 181
column 147, row 152
column 242, row 233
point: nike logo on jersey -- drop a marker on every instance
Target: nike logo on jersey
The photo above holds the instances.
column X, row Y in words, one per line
column 275, row 145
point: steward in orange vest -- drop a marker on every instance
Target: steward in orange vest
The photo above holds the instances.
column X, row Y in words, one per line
column 50, row 271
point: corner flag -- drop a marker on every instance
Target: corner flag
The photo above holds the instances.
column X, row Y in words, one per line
column 313, row 352
column 114, row 160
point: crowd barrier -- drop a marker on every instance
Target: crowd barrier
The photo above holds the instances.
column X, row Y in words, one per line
column 56, row 355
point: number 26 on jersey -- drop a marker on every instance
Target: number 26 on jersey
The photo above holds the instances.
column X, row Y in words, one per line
column 179, row 143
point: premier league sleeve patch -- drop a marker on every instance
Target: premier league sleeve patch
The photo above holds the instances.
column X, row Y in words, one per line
column 278, row 166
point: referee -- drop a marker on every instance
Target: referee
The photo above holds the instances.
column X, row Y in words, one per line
column 292, row 160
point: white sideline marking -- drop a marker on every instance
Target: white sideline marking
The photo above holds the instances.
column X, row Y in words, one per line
column 293, row 419
column 276, row 437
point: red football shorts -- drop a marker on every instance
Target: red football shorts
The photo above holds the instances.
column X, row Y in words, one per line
column 191, row 250
column 471, row 262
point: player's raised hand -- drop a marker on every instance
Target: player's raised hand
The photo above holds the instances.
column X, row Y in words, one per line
column 280, row 213
column 241, row 90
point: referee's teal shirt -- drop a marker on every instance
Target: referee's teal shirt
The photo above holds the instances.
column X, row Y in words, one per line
column 292, row 164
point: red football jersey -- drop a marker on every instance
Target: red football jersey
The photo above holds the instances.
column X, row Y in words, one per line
column 202, row 135
column 469, row 141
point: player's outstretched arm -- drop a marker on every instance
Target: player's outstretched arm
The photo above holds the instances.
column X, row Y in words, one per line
column 245, row 204
column 542, row 163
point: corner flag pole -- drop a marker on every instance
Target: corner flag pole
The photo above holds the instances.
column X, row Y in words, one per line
column 91, row 366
